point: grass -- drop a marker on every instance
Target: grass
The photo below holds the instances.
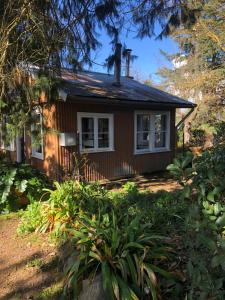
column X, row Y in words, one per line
column 50, row 293
column 18, row 296
column 11, row 215
column 35, row 263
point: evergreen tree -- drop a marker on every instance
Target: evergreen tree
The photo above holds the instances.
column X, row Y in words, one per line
column 199, row 67
column 49, row 34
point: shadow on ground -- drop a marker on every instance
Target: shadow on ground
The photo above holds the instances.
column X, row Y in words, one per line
column 27, row 268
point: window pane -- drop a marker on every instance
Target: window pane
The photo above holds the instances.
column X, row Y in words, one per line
column 37, row 134
column 160, row 130
column 87, row 140
column 103, row 133
column 103, row 140
column 142, row 140
column 103, row 125
column 88, row 125
column 143, row 122
column 143, row 131
column 160, row 139
column 87, row 133
column 160, row 122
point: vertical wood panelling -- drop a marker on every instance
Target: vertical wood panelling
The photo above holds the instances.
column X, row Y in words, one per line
column 50, row 164
column 121, row 162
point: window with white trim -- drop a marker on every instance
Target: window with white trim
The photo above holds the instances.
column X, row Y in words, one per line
column 4, row 135
column 152, row 131
column 95, row 132
column 37, row 135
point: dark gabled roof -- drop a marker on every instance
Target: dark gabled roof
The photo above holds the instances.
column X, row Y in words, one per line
column 101, row 86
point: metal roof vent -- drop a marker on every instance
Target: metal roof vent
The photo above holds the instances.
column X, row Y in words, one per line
column 128, row 57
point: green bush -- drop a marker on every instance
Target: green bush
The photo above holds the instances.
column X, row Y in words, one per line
column 19, row 185
column 181, row 168
column 197, row 137
column 128, row 257
column 65, row 202
column 219, row 134
column 31, row 218
column 205, row 223
column 89, row 215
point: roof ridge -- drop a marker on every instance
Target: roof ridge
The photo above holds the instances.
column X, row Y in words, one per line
column 95, row 72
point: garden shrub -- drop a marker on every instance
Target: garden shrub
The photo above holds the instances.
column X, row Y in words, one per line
column 65, row 202
column 114, row 233
column 181, row 168
column 20, row 184
column 197, row 137
column 205, row 224
column 128, row 257
column 104, row 222
column 121, row 225
column 219, row 134
column 31, row 218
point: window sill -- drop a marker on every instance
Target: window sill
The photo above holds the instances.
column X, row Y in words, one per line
column 96, row 150
column 37, row 155
column 152, row 152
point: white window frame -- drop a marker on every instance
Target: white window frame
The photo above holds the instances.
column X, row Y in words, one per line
column 96, row 116
column 152, row 148
column 34, row 153
column 10, row 147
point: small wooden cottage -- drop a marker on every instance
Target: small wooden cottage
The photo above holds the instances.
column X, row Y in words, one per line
column 106, row 126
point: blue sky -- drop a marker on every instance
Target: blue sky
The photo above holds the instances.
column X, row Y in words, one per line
column 148, row 51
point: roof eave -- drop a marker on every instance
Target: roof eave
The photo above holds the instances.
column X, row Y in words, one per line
column 107, row 100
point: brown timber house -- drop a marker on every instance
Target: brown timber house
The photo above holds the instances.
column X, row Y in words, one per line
column 106, row 126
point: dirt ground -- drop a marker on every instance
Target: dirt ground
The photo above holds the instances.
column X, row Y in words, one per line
column 151, row 182
column 27, row 264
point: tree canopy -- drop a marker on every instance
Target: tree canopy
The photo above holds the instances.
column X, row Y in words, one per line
column 199, row 66
column 50, row 34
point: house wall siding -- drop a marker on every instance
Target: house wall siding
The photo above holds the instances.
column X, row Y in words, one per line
column 50, row 163
column 59, row 161
column 121, row 162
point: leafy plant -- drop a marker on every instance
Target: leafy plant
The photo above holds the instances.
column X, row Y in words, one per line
column 131, row 188
column 128, row 257
column 219, row 134
column 205, row 223
column 65, row 203
column 181, row 168
column 31, row 218
column 197, row 137
column 206, row 253
column 20, row 185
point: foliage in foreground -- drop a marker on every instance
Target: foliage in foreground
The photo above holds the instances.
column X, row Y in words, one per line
column 19, row 185
column 205, row 221
column 65, row 203
column 127, row 257
column 94, row 220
